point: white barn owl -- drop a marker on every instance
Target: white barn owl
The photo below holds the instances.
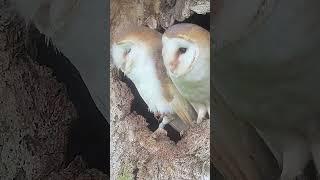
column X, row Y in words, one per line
column 266, row 67
column 78, row 29
column 186, row 55
column 137, row 52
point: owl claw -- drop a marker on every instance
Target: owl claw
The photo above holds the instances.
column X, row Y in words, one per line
column 199, row 120
column 181, row 133
column 202, row 111
column 158, row 132
column 161, row 126
column 166, row 120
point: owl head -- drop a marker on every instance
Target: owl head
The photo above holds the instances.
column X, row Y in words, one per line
column 134, row 48
column 184, row 46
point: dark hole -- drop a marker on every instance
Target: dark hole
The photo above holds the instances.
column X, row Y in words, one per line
column 90, row 133
column 198, row 19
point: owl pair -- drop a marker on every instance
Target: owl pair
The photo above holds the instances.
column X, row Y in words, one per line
column 171, row 71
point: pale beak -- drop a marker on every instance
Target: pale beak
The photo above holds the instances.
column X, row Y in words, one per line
column 173, row 65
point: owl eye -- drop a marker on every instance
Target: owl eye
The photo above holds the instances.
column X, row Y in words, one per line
column 182, row 50
column 127, row 51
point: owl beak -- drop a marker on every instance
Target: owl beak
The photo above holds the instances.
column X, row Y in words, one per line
column 173, row 65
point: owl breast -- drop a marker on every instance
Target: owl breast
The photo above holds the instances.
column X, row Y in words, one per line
column 195, row 85
column 149, row 87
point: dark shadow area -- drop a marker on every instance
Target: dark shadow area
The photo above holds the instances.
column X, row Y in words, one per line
column 200, row 20
column 89, row 135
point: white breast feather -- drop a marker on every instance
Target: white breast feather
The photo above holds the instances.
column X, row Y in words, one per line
column 147, row 83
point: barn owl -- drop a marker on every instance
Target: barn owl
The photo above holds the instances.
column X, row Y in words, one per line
column 186, row 55
column 267, row 74
column 137, row 52
column 78, row 29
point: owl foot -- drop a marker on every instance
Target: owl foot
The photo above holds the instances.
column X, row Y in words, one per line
column 159, row 132
column 161, row 126
column 202, row 111
column 181, row 133
column 166, row 120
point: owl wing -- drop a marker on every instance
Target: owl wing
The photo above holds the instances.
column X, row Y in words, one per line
column 177, row 123
column 179, row 104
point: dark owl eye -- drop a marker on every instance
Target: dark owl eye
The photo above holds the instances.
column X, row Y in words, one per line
column 182, row 50
column 127, row 51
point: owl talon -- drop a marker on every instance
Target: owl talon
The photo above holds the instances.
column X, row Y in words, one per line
column 181, row 133
column 159, row 132
column 199, row 120
column 201, row 114
column 161, row 126
column 164, row 122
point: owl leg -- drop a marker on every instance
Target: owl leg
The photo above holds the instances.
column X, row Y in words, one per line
column 166, row 120
column 295, row 158
column 208, row 109
column 202, row 111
